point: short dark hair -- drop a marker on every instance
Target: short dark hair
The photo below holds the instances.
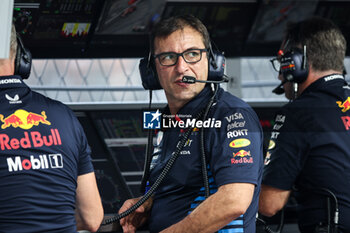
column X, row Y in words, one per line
column 167, row 26
column 325, row 43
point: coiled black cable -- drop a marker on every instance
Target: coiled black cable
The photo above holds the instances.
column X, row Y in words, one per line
column 160, row 178
column 148, row 157
column 279, row 227
column 169, row 164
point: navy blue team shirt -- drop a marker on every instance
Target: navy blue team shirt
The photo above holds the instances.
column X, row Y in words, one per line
column 43, row 150
column 310, row 149
column 234, row 155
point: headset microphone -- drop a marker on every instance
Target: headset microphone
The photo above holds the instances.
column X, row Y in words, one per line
column 279, row 90
column 191, row 80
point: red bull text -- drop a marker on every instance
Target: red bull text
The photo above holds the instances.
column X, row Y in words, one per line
column 346, row 121
column 32, row 139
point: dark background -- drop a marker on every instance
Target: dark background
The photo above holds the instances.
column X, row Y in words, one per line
column 119, row 28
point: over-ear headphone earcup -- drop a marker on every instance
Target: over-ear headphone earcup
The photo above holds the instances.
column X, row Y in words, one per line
column 294, row 67
column 23, row 60
column 149, row 75
column 216, row 66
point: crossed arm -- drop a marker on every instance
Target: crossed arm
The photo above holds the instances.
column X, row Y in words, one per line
column 228, row 203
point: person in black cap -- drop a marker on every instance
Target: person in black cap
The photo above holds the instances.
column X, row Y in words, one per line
column 309, row 150
column 181, row 51
column 47, row 181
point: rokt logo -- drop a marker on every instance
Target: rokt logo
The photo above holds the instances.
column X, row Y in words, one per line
column 23, row 119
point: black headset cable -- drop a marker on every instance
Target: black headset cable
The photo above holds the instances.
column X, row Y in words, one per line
column 148, row 157
column 203, row 157
column 160, row 178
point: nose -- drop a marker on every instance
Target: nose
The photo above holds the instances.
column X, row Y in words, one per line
column 181, row 65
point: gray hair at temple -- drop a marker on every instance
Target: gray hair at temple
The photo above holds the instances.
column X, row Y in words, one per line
column 13, row 45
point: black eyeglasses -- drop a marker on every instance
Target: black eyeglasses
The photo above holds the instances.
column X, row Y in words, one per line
column 276, row 64
column 190, row 56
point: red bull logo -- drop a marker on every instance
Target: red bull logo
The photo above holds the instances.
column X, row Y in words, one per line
column 241, row 153
column 344, row 105
column 241, row 157
column 23, row 119
column 267, row 159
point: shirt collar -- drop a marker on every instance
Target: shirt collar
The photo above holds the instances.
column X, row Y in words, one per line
column 332, row 78
column 12, row 81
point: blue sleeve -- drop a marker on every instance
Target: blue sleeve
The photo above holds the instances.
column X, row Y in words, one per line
column 236, row 148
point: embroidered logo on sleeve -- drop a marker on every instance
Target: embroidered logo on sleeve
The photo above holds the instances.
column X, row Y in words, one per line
column 345, row 106
column 242, row 156
column 240, row 142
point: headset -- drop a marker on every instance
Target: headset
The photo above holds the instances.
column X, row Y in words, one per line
column 23, row 60
column 150, row 79
column 294, row 67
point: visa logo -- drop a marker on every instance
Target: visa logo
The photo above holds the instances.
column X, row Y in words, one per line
column 234, row 116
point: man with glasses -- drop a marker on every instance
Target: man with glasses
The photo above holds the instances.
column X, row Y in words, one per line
column 309, row 149
column 180, row 48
